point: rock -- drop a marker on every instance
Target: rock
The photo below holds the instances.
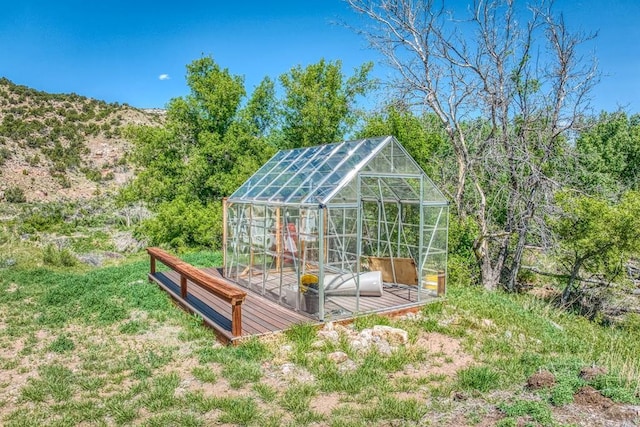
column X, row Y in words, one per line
column 338, row 357
column 360, row 345
column 459, row 396
column 125, row 242
column 589, row 373
column 348, row 366
column 92, row 259
column 329, row 335
column 288, row 368
column 508, row 334
column 411, row 316
column 542, row 379
column 9, row 262
column 384, row 348
column 488, row 323
column 391, row 335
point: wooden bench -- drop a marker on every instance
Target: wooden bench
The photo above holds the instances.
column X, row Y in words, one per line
column 214, row 285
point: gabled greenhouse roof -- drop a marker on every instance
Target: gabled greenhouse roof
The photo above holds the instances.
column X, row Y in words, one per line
column 327, row 174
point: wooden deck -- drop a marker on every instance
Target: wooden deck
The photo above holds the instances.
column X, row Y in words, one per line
column 259, row 315
column 262, row 315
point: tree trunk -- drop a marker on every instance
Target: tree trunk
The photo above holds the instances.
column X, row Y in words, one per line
column 568, row 290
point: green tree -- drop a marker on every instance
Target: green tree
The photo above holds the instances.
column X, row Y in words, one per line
column 423, row 137
column 596, row 236
column 207, row 148
column 319, row 105
column 609, row 154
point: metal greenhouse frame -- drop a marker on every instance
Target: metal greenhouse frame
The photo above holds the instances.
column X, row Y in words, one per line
column 339, row 229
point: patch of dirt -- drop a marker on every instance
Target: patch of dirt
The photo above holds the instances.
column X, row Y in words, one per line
column 589, row 396
column 542, row 379
column 447, row 355
column 325, row 404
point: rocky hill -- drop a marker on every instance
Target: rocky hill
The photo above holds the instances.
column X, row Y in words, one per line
column 63, row 146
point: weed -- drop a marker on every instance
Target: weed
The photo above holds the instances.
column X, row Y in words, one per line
column 301, row 335
column 174, row 419
column 613, row 387
column 296, row 398
column 267, row 393
column 392, row 408
column 478, row 378
column 62, row 344
column 55, row 381
column 239, row 410
column 241, row 373
column 134, row 327
column 204, row 374
column 160, row 395
column 538, row 411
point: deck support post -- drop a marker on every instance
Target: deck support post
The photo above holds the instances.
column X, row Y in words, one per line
column 152, row 267
column 236, row 318
column 183, row 287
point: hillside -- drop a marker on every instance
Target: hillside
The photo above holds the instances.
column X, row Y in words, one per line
column 63, row 146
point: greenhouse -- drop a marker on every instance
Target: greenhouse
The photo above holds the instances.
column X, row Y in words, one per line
column 340, row 229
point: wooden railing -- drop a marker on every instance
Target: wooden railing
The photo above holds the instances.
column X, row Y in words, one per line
column 211, row 284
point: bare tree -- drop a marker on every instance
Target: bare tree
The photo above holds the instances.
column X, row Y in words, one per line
column 507, row 83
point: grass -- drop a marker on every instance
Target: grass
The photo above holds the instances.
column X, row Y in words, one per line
column 103, row 346
column 478, row 378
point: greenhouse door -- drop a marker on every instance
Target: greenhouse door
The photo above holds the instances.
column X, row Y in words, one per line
column 389, row 224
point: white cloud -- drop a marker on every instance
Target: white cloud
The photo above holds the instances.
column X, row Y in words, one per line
column 163, row 77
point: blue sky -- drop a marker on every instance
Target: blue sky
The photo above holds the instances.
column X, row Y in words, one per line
column 117, row 50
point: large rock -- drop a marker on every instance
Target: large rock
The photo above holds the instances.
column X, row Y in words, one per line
column 394, row 336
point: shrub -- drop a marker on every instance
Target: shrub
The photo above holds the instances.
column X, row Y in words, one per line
column 5, row 155
column 58, row 257
column 14, row 195
column 182, row 223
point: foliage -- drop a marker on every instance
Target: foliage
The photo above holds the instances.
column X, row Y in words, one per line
column 59, row 257
column 609, row 154
column 15, row 195
column 596, row 236
column 538, row 411
column 423, row 137
column 5, row 154
column 318, row 106
column 56, row 125
column 181, row 223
